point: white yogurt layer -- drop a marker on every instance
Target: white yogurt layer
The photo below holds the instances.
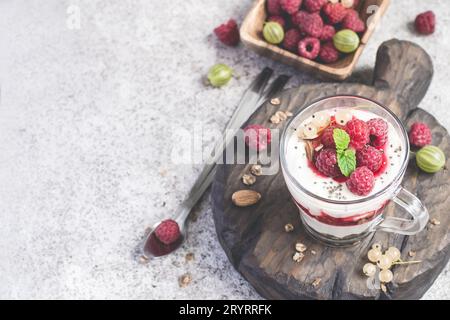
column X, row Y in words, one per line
column 298, row 165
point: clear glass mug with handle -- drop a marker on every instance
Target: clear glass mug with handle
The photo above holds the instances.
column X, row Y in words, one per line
column 340, row 222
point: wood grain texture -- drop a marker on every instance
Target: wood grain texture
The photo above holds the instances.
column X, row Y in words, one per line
column 254, row 238
column 371, row 12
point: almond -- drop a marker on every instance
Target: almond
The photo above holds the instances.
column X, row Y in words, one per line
column 309, row 150
column 245, row 198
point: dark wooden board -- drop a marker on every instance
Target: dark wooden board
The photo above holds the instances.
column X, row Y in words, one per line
column 254, row 238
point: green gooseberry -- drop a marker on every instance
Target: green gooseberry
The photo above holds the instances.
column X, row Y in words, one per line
column 430, row 159
column 219, row 75
column 346, row 41
column 273, row 32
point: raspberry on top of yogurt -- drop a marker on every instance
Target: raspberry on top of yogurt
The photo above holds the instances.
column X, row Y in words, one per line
column 344, row 154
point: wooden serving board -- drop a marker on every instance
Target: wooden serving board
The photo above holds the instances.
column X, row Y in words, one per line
column 254, row 238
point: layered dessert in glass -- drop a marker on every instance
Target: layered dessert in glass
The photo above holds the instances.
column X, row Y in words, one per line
column 343, row 159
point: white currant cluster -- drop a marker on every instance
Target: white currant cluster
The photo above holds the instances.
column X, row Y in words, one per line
column 384, row 262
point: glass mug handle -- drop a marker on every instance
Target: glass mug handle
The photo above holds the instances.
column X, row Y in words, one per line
column 411, row 204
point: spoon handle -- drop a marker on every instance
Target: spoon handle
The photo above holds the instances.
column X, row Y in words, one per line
column 197, row 191
column 248, row 103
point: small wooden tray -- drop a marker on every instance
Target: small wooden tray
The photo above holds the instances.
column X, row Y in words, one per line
column 254, row 238
column 251, row 35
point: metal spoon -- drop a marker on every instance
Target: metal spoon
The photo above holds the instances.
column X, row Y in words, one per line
column 249, row 103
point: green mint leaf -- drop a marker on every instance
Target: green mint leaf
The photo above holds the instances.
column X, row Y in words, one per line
column 341, row 139
column 347, row 161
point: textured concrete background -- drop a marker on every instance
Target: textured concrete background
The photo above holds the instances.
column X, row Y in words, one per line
column 86, row 134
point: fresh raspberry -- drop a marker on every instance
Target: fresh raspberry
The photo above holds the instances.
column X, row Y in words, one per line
column 328, row 32
column 228, row 33
column 314, row 5
column 327, row 138
column 257, row 137
column 278, row 19
column 359, row 133
column 309, row 48
column 369, row 157
column 168, row 231
column 334, row 12
column 291, row 40
column 298, row 17
column 420, row 135
column 378, row 132
column 326, row 163
column 353, row 22
column 291, row 6
column 274, row 7
column 361, row 181
column 328, row 53
column 425, row 23
column 310, row 23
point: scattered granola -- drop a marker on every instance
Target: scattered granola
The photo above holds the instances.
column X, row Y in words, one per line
column 298, row 257
column 189, row 257
column 280, row 116
column 185, row 280
column 313, row 252
column 256, row 170
column 412, row 254
column 289, row 227
column 435, row 222
column 143, row 260
column 248, row 179
column 163, row 172
column 300, row 247
column 316, row 282
column 275, row 101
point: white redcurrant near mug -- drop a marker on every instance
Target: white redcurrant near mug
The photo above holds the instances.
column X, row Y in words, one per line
column 340, row 222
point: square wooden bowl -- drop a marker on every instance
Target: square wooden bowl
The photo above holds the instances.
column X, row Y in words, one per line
column 371, row 12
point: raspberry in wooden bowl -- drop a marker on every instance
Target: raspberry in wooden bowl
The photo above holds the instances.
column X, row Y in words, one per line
column 316, row 21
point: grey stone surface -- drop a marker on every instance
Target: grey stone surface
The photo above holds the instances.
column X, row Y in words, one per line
column 86, row 135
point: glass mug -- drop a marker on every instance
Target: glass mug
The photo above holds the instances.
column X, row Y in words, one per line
column 345, row 223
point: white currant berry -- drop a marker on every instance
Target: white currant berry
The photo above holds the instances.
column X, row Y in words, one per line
column 393, row 253
column 385, row 262
column 386, row 276
column 310, row 131
column 321, row 119
column 343, row 116
column 374, row 255
column 377, row 246
column 369, row 269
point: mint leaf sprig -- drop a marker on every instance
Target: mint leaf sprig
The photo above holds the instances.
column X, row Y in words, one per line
column 346, row 157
